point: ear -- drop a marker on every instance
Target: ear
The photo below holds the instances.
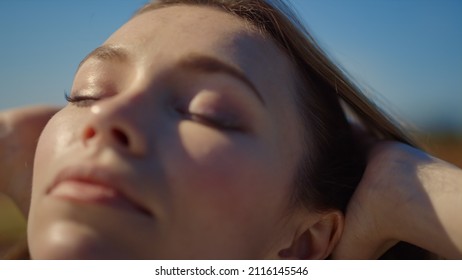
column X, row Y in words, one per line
column 317, row 238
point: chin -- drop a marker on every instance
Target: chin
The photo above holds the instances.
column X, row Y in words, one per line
column 71, row 241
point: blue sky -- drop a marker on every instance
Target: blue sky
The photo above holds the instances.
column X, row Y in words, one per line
column 405, row 53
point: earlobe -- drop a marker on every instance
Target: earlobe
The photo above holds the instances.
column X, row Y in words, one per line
column 316, row 239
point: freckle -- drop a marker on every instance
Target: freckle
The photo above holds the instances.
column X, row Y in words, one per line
column 95, row 109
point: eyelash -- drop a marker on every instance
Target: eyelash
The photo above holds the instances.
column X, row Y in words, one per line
column 210, row 121
column 80, row 101
column 86, row 101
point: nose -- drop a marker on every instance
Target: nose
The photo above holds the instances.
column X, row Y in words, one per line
column 114, row 127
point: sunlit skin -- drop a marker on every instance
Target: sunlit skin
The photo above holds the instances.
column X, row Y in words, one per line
column 205, row 158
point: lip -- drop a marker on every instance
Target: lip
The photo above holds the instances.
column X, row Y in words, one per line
column 97, row 185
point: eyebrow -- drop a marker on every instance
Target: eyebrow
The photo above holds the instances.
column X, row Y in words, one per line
column 194, row 62
column 208, row 64
column 106, row 52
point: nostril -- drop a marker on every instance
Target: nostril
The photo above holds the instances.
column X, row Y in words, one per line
column 121, row 137
column 89, row 133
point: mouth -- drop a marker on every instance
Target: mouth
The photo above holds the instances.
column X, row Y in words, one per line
column 95, row 186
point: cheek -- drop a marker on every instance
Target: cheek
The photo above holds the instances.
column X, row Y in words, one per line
column 57, row 136
column 227, row 176
column 55, row 140
column 227, row 191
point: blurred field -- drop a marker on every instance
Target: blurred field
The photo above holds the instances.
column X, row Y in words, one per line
column 447, row 147
column 13, row 226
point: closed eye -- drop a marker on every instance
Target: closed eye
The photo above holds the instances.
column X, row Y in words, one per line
column 212, row 121
column 81, row 100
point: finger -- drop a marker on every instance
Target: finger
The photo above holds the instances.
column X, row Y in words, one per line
column 355, row 242
column 362, row 237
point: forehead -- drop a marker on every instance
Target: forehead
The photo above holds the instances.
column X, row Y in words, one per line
column 200, row 25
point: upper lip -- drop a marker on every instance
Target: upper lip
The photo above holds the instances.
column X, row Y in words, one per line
column 105, row 177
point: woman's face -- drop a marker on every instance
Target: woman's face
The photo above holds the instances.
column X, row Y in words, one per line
column 182, row 142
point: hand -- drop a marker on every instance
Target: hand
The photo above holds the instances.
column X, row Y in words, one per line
column 390, row 202
column 19, row 132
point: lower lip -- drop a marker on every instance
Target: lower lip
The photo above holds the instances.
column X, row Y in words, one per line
column 90, row 193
